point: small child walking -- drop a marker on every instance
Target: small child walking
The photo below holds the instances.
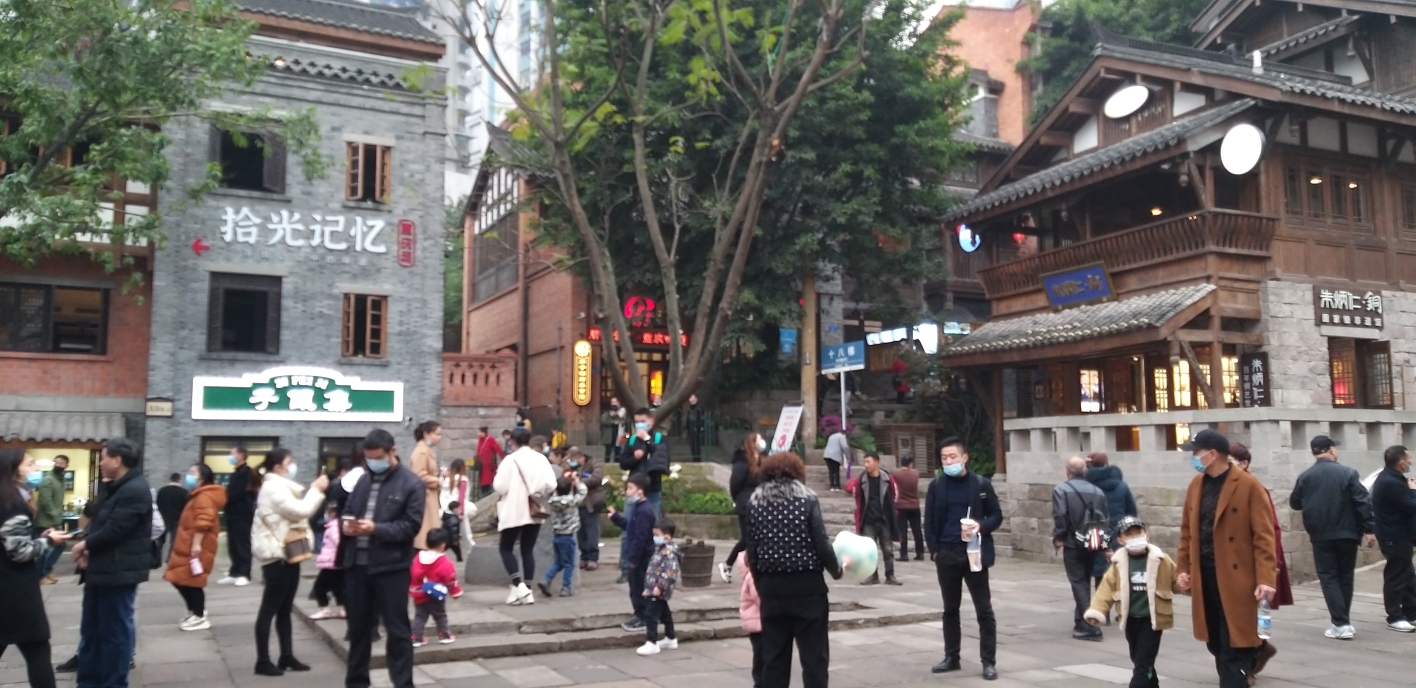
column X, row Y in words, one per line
column 659, row 580
column 1141, row 583
column 433, row 579
column 565, row 522
column 750, row 611
column 330, row 579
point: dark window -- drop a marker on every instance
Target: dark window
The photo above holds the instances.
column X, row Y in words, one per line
column 368, row 172
column 494, row 257
column 256, row 162
column 216, row 453
column 50, row 319
column 244, row 313
column 365, row 326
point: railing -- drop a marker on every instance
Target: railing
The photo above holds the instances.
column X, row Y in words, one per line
column 1223, row 231
column 478, row 380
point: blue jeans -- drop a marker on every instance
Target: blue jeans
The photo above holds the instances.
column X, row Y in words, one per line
column 51, row 558
column 107, row 636
column 565, row 560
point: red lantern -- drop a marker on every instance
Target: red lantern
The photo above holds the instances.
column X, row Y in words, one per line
column 1018, row 237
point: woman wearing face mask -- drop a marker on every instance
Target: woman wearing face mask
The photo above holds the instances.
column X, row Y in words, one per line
column 194, row 547
column 746, row 459
column 424, row 464
column 1239, row 455
column 26, row 623
column 281, row 511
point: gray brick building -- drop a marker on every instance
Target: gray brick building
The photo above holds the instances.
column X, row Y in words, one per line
column 276, row 292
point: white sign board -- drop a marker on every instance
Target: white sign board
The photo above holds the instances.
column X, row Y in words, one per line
column 786, row 430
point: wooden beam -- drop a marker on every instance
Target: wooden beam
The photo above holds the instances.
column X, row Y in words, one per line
column 1198, row 182
column 1056, row 139
column 1194, row 360
column 1204, row 337
column 1084, row 106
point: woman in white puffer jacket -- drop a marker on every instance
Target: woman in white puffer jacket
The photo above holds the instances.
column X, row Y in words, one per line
column 280, row 507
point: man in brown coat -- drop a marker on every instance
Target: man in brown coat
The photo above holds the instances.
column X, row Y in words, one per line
column 1227, row 552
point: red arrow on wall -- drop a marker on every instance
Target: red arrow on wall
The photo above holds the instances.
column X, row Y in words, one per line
column 199, row 246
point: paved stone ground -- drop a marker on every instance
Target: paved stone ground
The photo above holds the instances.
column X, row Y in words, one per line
column 1031, row 600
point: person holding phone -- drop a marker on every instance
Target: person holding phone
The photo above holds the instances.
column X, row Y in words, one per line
column 194, row 544
column 26, row 623
column 283, row 509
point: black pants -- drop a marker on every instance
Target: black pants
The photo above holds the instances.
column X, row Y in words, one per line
column 880, row 534
column 1232, row 663
column 635, row 574
column 371, row 598
column 695, row 445
column 755, row 639
column 526, row 535
column 803, row 620
column 588, row 537
column 1144, row 642
column 1398, row 582
column 741, row 544
column 833, row 471
column 37, row 663
column 328, row 582
column 194, row 597
column 656, row 610
column 1336, row 561
column 1078, row 562
column 277, row 601
column 436, row 609
column 238, row 543
column 952, row 567
column 909, row 520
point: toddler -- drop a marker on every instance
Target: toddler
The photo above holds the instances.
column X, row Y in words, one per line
column 565, row 521
column 750, row 611
column 433, row 579
column 659, row 580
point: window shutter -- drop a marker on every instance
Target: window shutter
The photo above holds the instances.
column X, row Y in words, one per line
column 374, row 334
column 213, row 144
column 272, row 343
column 214, row 304
column 273, row 174
column 354, row 186
column 384, row 192
column 346, row 347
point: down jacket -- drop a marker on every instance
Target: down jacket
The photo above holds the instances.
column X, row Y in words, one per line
column 521, row 474
column 200, row 519
column 119, row 539
column 279, row 507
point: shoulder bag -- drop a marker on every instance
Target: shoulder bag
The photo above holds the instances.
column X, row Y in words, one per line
column 535, row 503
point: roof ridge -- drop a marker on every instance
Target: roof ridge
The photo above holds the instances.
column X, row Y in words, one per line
column 1110, row 39
column 1309, row 33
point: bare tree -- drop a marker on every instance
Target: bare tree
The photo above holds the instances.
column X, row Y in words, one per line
column 631, row 31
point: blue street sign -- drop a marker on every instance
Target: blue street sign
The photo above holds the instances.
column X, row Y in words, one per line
column 788, row 341
column 840, row 358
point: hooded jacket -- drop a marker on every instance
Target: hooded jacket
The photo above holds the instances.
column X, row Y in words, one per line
column 1119, row 500
column 1115, row 589
column 663, row 571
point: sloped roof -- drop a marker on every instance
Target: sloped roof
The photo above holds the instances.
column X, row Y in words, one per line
column 347, row 14
column 984, row 144
column 1316, row 32
column 34, row 426
column 1079, row 324
column 1090, row 163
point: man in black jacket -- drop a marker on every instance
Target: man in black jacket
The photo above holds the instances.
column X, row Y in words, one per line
column 959, row 505
column 171, row 499
column 693, row 424
column 1337, row 512
column 240, row 511
column 1394, row 506
column 381, row 517
column 116, row 554
column 647, row 454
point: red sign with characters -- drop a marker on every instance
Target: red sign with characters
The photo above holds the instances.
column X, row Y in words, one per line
column 407, row 243
column 645, row 337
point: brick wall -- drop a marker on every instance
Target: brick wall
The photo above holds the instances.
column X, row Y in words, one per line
column 121, row 372
column 993, row 40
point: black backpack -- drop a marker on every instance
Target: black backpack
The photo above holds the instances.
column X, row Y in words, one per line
column 1094, row 534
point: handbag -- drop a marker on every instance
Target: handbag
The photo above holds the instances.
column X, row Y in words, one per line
column 538, row 506
column 297, row 545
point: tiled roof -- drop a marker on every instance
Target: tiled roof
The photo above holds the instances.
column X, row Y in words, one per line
column 35, row 426
column 347, row 14
column 1079, row 324
column 984, row 144
column 1309, row 34
column 329, row 70
column 1095, row 161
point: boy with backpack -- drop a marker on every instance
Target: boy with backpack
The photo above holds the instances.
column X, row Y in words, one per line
column 1081, row 530
column 659, row 581
column 1141, row 583
column 565, row 522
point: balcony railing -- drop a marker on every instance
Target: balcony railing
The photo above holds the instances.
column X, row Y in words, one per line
column 479, row 380
column 1221, row 231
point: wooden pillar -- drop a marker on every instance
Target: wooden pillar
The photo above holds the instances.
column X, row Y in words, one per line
column 1000, row 458
column 807, row 349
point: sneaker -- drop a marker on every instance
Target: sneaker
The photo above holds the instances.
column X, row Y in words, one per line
column 241, row 582
column 324, row 613
column 446, row 638
column 1346, row 632
column 186, row 619
column 1333, row 632
column 592, row 566
column 229, row 580
column 633, row 626
column 339, row 612
column 48, row 580
column 622, row 579
column 419, row 641
column 567, row 592
column 520, row 595
column 725, row 573
column 668, row 644
column 648, row 649
column 1401, row 626
column 196, row 623
column 544, row 588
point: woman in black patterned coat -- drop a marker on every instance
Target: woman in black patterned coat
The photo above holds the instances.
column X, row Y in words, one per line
column 23, row 621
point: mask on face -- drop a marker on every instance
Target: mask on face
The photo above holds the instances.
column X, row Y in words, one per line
column 658, row 540
column 1137, row 545
column 761, row 445
column 574, row 464
column 292, row 471
column 35, row 478
column 1197, row 463
column 232, row 459
column 954, row 470
column 377, row 465
column 639, row 425
column 189, row 481
column 629, row 501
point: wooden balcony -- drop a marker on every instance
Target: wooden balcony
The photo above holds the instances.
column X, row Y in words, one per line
column 479, row 380
column 1207, row 246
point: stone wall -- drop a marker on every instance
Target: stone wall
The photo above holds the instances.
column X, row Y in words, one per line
column 460, row 425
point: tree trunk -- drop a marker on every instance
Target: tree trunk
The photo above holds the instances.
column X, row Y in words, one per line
column 806, row 348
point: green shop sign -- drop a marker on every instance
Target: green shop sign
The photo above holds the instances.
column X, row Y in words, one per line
column 296, row 393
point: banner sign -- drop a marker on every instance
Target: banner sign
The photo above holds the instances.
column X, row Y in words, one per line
column 1079, row 286
column 1349, row 309
column 296, row 393
column 1254, row 380
column 786, row 431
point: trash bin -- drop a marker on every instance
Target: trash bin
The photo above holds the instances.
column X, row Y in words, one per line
column 697, row 564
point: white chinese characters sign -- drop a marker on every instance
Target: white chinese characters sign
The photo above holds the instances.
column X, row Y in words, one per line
column 316, row 230
column 296, row 393
column 1347, row 308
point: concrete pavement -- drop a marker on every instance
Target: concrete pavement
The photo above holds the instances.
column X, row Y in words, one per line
column 1032, row 603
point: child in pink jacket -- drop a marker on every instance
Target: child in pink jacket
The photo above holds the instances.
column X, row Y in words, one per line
column 330, row 581
column 432, row 580
column 750, row 611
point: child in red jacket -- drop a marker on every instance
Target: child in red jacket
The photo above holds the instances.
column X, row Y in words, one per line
column 433, row 579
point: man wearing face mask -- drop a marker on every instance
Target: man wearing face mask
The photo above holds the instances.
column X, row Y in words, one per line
column 171, row 499
column 49, row 511
column 647, row 454
column 1394, row 505
column 240, row 511
column 1227, row 552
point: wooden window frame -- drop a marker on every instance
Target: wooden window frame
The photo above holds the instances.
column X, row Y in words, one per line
column 357, row 155
column 1344, row 351
column 216, row 305
column 49, row 344
column 1316, row 206
column 374, row 327
column 1377, row 388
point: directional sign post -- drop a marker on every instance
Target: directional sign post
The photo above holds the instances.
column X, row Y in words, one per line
column 842, row 359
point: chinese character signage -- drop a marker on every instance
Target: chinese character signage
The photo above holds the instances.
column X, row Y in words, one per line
column 1077, row 287
column 1347, row 308
column 407, row 243
column 580, row 373
column 644, row 337
column 296, row 393
column 1254, row 380
column 841, row 358
column 315, row 230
